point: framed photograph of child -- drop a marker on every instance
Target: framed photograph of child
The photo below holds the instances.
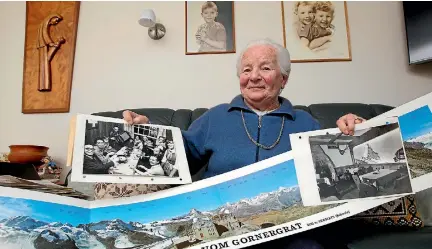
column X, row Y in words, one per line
column 209, row 27
column 316, row 31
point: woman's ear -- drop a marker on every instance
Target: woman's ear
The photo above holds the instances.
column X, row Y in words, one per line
column 284, row 81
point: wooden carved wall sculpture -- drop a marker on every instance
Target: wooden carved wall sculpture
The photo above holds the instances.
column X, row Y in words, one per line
column 47, row 48
column 50, row 38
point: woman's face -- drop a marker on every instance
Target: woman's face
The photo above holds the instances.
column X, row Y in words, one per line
column 260, row 76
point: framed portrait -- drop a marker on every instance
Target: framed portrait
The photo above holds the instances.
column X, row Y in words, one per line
column 209, row 27
column 316, row 31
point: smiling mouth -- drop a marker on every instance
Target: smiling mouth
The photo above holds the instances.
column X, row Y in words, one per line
column 256, row 88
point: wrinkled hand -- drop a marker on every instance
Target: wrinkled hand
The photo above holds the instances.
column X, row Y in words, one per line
column 347, row 123
column 134, row 118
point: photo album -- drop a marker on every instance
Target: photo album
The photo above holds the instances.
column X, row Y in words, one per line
column 326, row 177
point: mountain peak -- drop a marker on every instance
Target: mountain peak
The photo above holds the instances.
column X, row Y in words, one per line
column 194, row 212
column 24, row 222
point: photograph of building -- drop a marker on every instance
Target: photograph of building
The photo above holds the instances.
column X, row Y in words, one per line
column 371, row 163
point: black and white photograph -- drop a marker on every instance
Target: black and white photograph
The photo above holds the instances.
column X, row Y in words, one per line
column 210, row 27
column 369, row 164
column 110, row 150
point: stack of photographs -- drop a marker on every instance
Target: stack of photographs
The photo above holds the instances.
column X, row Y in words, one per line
column 40, row 186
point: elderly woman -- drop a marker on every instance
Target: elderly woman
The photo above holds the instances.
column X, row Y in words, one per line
column 256, row 124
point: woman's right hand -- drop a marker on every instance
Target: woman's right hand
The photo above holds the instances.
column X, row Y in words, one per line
column 134, row 118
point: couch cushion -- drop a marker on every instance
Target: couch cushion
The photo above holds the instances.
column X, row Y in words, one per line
column 328, row 113
column 160, row 116
column 115, row 114
column 380, row 109
column 197, row 113
column 302, row 107
column 181, row 119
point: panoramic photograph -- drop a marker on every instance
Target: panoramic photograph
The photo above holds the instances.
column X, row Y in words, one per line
column 175, row 222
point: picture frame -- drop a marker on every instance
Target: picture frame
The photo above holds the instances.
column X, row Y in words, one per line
column 215, row 36
column 309, row 42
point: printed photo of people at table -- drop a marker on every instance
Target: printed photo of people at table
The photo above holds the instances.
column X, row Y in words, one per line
column 122, row 149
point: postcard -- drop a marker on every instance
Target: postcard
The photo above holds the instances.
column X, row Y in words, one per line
column 336, row 168
column 110, row 150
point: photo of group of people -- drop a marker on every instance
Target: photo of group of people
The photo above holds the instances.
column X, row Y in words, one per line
column 121, row 149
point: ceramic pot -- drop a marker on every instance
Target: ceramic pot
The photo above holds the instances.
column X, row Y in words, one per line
column 27, row 153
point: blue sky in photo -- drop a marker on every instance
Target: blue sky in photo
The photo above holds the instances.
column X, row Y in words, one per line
column 42, row 211
column 205, row 199
column 416, row 123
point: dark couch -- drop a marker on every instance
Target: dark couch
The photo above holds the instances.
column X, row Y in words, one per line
column 350, row 234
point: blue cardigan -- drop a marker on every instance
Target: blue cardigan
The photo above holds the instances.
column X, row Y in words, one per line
column 218, row 137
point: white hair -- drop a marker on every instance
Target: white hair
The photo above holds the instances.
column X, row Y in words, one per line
column 283, row 55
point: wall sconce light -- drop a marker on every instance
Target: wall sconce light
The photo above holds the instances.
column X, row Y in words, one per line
column 148, row 19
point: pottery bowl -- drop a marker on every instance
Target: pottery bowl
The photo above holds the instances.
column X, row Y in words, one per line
column 27, row 153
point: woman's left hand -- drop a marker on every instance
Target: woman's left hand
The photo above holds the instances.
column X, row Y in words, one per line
column 347, row 123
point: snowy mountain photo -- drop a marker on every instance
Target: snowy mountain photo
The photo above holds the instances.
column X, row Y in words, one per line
column 416, row 129
column 226, row 220
column 273, row 201
column 262, row 199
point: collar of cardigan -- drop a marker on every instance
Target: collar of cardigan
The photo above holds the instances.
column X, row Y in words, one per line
column 285, row 106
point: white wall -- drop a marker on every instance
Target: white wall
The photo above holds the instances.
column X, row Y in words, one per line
column 118, row 66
